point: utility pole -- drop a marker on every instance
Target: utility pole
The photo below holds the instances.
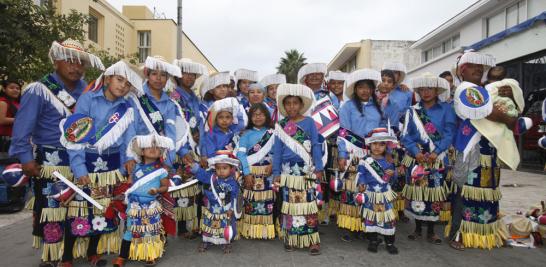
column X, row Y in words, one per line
column 179, row 34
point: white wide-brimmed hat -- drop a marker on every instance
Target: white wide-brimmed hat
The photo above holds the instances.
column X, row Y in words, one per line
column 311, row 68
column 229, row 104
column 337, row 75
column 72, row 50
column 124, row 69
column 359, row 75
column 188, row 66
column 214, row 80
column 431, row 81
column 244, row 74
column 159, row 63
column 139, row 142
column 473, row 57
column 273, row 79
column 380, row 135
column 304, row 92
column 396, row 66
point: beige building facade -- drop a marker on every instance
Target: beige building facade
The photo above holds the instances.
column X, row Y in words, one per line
column 133, row 31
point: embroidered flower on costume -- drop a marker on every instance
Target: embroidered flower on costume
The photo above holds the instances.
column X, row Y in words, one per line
column 296, row 170
column 466, row 130
column 183, row 202
column 193, row 122
column 312, row 221
column 435, row 206
column 377, row 188
column 175, row 95
column 307, row 169
column 257, row 147
column 52, row 233
column 298, row 221
column 430, row 128
column 485, row 217
column 286, row 167
column 342, row 132
column 100, row 165
column 307, row 146
column 260, row 208
column 290, row 128
column 467, row 214
column 99, row 223
column 52, row 159
column 155, row 116
column 66, row 98
column 471, row 177
column 80, row 226
column 418, row 206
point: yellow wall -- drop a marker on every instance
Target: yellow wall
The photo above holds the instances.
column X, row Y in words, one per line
column 163, row 35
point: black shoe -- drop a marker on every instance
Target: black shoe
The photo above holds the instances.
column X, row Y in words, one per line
column 392, row 249
column 372, row 247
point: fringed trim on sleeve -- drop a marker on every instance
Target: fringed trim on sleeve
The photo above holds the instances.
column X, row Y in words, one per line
column 147, row 248
column 381, row 197
column 47, row 172
column 299, row 208
column 296, row 182
column 425, row 193
column 186, row 192
column 40, row 89
column 484, row 236
column 258, row 231
column 481, row 194
column 251, row 195
column 349, row 222
column 301, row 241
column 379, row 216
column 109, row 243
column 185, row 213
column 53, row 215
column 101, row 179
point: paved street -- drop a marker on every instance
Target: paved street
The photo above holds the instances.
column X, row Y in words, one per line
column 15, row 246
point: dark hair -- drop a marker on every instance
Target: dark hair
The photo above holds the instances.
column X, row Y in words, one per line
column 290, row 96
column 496, row 73
column 208, row 96
column 261, row 107
column 390, row 74
column 445, row 74
column 358, row 102
column 7, row 82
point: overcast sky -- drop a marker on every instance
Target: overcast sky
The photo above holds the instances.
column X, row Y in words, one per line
column 254, row 34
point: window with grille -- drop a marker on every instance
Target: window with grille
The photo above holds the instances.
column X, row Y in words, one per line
column 144, row 45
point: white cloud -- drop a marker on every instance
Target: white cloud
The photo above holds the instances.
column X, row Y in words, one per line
column 254, row 34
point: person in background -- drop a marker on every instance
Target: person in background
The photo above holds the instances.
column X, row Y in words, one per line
column 449, row 78
column 10, row 96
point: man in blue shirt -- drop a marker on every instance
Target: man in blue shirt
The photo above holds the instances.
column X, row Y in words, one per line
column 43, row 105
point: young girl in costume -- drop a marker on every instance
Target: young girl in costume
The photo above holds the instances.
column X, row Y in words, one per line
column 243, row 79
column 376, row 196
column 143, row 238
column 427, row 135
column 10, row 96
column 359, row 116
column 271, row 82
column 96, row 137
column 297, row 167
column 255, row 154
column 223, row 127
column 220, row 190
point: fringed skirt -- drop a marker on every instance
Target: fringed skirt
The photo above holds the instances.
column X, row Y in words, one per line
column 258, row 208
column 214, row 226
column 377, row 211
column 185, row 203
column 144, row 230
column 348, row 214
column 299, row 206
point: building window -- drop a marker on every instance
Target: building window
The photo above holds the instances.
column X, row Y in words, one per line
column 144, row 45
column 444, row 47
column 506, row 18
column 455, row 41
column 93, row 30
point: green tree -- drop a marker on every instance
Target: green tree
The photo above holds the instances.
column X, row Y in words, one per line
column 27, row 33
column 290, row 64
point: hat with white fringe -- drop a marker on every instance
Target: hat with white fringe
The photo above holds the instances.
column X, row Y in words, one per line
column 380, row 135
column 473, row 57
column 359, row 75
column 244, row 74
column 311, row 68
column 336, row 75
column 72, row 50
column 139, row 142
column 214, row 80
column 273, row 79
column 188, row 66
column 223, row 156
column 431, row 81
column 396, row 66
column 257, row 86
column 159, row 63
column 304, row 92
column 126, row 70
column 472, row 101
column 229, row 104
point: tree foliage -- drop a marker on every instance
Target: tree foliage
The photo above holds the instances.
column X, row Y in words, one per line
column 290, row 64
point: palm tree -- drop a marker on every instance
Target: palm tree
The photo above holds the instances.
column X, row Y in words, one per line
column 290, row 64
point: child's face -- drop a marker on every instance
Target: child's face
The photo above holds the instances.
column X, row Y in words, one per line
column 13, row 90
column 314, row 80
column 427, row 94
column 293, row 106
column 243, row 86
column 224, row 119
column 363, row 92
column 397, row 76
column 378, row 148
column 223, row 170
column 258, row 118
column 506, row 91
column 255, row 96
column 157, row 79
column 336, row 86
column 387, row 84
column 220, row 92
column 188, row 80
column 272, row 91
column 151, row 153
column 118, row 86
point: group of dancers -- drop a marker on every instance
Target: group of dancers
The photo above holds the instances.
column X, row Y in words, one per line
column 136, row 155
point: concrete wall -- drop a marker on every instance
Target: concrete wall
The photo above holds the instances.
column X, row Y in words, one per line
column 387, row 51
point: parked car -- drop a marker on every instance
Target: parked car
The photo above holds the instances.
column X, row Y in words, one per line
column 13, row 186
